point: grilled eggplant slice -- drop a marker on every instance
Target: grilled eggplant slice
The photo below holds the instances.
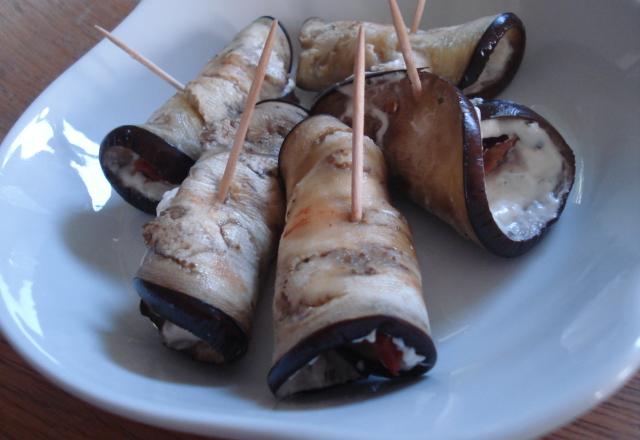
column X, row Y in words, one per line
column 142, row 162
column 200, row 279
column 498, row 172
column 481, row 56
column 348, row 299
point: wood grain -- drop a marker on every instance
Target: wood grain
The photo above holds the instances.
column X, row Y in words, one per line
column 38, row 40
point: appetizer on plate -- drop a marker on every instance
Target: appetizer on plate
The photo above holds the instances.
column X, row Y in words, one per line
column 143, row 162
column 200, row 279
column 498, row 172
column 348, row 300
column 480, row 57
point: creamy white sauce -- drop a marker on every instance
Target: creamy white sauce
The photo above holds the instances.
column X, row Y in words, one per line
column 381, row 116
column 347, row 90
column 495, row 67
column 131, row 178
column 371, row 338
column 290, row 87
column 524, row 192
column 384, row 123
column 165, row 202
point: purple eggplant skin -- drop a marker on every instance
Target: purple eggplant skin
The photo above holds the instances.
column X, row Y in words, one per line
column 488, row 232
column 504, row 23
column 338, row 336
column 167, row 161
column 208, row 323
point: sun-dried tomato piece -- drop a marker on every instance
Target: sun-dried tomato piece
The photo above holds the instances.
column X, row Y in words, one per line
column 144, row 167
column 497, row 154
column 388, row 353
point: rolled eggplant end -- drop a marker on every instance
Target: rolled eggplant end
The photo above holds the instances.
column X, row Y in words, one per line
column 518, row 182
column 353, row 350
column 287, row 36
column 141, row 166
column 187, row 324
column 496, row 58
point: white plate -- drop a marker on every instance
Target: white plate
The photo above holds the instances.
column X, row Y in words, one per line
column 524, row 345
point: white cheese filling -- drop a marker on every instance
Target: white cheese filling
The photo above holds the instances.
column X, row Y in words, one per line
column 371, row 338
column 375, row 112
column 329, row 368
column 320, row 372
column 495, row 67
column 524, row 192
column 177, row 338
column 166, row 200
column 290, row 87
column 396, row 63
column 151, row 189
column 410, row 358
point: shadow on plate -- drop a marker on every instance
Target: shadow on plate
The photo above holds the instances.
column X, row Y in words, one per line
column 458, row 276
column 347, row 394
column 134, row 344
column 99, row 240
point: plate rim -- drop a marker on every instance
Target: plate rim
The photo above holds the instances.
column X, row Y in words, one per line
column 237, row 426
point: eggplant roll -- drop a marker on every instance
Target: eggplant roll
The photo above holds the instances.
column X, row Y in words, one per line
column 481, row 56
column 143, row 162
column 348, row 299
column 200, row 278
column 496, row 171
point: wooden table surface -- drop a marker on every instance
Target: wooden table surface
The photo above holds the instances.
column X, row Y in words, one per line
column 38, row 40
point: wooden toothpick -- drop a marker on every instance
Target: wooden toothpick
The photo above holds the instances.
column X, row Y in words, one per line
column 141, row 59
column 405, row 46
column 357, row 128
column 417, row 17
column 241, row 134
